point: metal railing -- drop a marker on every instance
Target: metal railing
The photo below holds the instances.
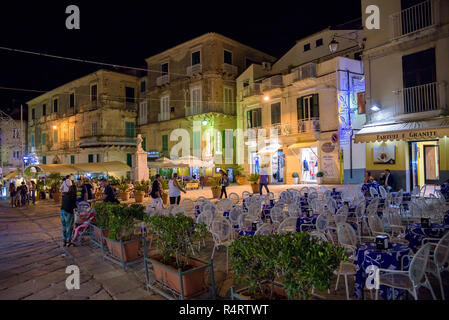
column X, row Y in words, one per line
column 225, row 108
column 274, row 82
column 229, row 68
column 298, row 127
column 107, row 141
column 191, row 70
column 163, row 80
column 427, row 97
column 251, row 90
column 415, row 18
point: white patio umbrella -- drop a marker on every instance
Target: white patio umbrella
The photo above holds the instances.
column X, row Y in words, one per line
column 165, row 163
column 193, row 162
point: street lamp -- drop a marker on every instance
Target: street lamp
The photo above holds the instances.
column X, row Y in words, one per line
column 266, row 98
column 333, row 46
column 204, row 122
column 55, row 127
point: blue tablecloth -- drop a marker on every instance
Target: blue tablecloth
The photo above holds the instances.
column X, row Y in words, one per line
column 367, row 186
column 367, row 255
column 446, row 218
column 445, row 190
column 306, row 220
column 248, row 232
column 415, row 233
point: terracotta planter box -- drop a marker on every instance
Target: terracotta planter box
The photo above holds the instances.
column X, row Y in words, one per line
column 97, row 234
column 241, row 180
column 216, row 193
column 139, row 195
column 192, row 280
column 255, row 187
column 131, row 249
column 124, row 196
column 278, row 290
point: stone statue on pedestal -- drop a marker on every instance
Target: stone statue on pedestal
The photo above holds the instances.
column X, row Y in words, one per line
column 140, row 169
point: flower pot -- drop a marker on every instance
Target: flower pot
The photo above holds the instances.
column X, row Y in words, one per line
column 139, row 195
column 192, row 280
column 124, row 195
column 56, row 196
column 296, row 180
column 319, row 180
column 255, row 187
column 278, row 292
column 131, row 249
column 241, row 180
column 216, row 193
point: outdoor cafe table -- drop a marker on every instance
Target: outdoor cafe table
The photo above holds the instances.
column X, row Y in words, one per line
column 367, row 255
column 415, row 233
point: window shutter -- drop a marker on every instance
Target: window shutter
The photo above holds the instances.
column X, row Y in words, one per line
column 129, row 159
column 223, row 139
column 315, row 106
column 248, row 119
column 300, row 108
column 259, row 117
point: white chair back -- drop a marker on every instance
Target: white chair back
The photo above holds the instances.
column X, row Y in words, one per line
column 234, row 198
column 265, row 229
column 288, row 225
column 346, row 235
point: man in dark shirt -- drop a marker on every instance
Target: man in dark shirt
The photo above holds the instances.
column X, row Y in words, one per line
column 109, row 192
column 156, row 191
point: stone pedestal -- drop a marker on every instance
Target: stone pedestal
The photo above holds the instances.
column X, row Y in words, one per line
column 140, row 169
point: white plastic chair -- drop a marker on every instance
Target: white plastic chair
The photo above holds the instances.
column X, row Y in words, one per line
column 276, row 215
column 265, row 229
column 221, row 231
column 383, row 192
column 288, row 225
column 294, row 210
column 438, row 261
column 409, row 280
column 234, row 215
column 373, row 192
column 188, row 205
column 234, row 198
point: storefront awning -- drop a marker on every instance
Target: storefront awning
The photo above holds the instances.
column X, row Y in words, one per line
column 300, row 145
column 11, row 175
column 415, row 130
column 102, row 167
column 62, row 169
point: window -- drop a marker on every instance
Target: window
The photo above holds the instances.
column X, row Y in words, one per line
column 245, row 83
column 98, row 157
column 32, row 141
column 33, row 114
column 16, row 155
column 195, row 100
column 144, row 144
column 196, row 58
column 94, row 128
column 44, row 109
column 254, row 118
column 358, row 56
column 72, row 159
column 129, row 92
column 15, row 133
column 55, row 136
column 165, row 145
column 361, row 103
column 143, row 86
column 164, row 69
column 130, row 129
column 228, row 100
column 165, row 108
column 419, row 68
column 143, row 113
column 44, row 138
column 227, row 56
column 276, row 113
column 90, row 158
column 55, row 105
column 129, row 159
column 93, row 93
column 44, row 159
column 307, row 47
column 308, row 107
column 72, row 100
column 319, row 43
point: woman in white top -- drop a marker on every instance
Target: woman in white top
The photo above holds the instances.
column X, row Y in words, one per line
column 174, row 190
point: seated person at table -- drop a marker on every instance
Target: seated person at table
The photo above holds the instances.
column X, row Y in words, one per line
column 368, row 178
column 390, row 181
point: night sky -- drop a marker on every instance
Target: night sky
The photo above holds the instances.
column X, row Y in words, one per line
column 127, row 32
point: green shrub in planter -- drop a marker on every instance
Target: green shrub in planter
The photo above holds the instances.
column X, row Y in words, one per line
column 296, row 260
column 254, row 178
column 295, row 175
column 121, row 224
column 319, row 174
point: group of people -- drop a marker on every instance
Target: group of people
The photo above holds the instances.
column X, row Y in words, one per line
column 174, row 190
column 24, row 193
column 387, row 180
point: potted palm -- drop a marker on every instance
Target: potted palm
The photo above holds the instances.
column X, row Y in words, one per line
column 124, row 192
column 139, row 191
column 254, row 181
column 55, row 181
column 174, row 264
column 295, row 177
column 239, row 176
column 215, row 187
column 319, row 177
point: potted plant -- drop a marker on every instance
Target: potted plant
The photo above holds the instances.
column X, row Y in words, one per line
column 254, row 181
column 165, row 191
column 174, row 262
column 283, row 266
column 55, row 180
column 124, row 192
column 295, row 177
column 139, row 191
column 40, row 189
column 215, row 187
column 101, row 223
column 123, row 245
column 319, row 177
column 239, row 176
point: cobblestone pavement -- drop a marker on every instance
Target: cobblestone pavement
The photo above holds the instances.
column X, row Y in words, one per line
column 33, row 262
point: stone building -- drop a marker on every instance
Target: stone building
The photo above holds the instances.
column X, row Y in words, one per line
column 91, row 119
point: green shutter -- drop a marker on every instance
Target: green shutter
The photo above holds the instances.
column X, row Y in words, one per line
column 32, row 141
column 315, row 106
column 55, row 137
column 129, row 127
column 144, row 144
column 91, row 158
column 248, row 119
column 165, row 145
column 300, row 108
column 259, row 117
column 44, row 159
column 43, row 139
column 223, row 139
column 72, row 159
column 129, row 159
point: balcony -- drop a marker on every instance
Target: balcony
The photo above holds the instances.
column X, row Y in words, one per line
column 251, row 90
column 293, row 128
column 229, row 69
column 414, row 19
column 163, row 116
column 307, row 71
column 272, row 83
column 107, row 141
column 191, row 70
column 163, row 80
column 423, row 98
column 225, row 108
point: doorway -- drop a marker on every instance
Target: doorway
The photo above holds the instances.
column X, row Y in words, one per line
column 277, row 167
column 424, row 163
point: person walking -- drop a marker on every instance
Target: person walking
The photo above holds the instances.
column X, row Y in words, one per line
column 67, row 215
column 224, row 182
column 12, row 193
column 33, row 190
column 156, row 191
column 23, row 194
column 174, row 190
column 86, row 190
column 65, row 185
column 263, row 182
